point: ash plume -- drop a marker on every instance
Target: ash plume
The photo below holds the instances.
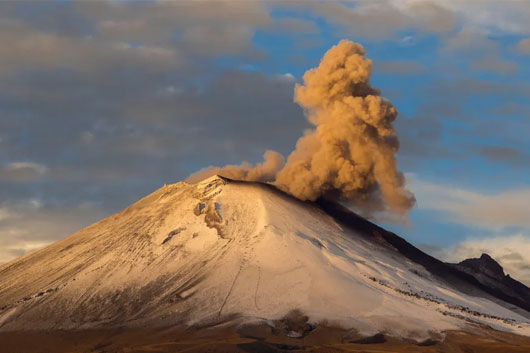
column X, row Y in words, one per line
column 264, row 172
column 350, row 154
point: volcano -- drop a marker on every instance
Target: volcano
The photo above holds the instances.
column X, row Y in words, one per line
column 244, row 255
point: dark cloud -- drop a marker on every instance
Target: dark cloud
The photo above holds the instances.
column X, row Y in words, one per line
column 505, row 154
column 92, row 36
column 495, row 65
column 420, row 140
column 292, row 26
column 399, row 67
column 470, row 42
column 512, row 109
column 460, row 89
column 421, row 134
column 143, row 127
column 32, row 48
column 482, row 53
column 197, row 28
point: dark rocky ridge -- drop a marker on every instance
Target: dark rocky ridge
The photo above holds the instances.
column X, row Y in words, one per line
column 490, row 274
column 483, row 267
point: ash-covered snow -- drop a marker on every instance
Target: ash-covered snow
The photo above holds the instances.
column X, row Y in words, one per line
column 241, row 249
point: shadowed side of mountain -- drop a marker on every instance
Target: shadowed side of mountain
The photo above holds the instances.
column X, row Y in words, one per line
column 491, row 274
column 468, row 273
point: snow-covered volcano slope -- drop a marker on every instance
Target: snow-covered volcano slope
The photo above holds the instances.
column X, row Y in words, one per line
column 220, row 249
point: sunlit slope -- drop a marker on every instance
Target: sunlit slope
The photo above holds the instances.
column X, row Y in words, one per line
column 224, row 250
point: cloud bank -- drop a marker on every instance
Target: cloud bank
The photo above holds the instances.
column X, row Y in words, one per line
column 20, row 172
column 498, row 210
column 29, row 225
column 510, row 251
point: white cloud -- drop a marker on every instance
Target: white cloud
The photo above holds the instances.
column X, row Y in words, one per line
column 512, row 253
column 12, row 250
column 383, row 19
column 29, row 225
column 22, row 171
column 493, row 213
column 486, row 16
column 508, row 208
column 288, row 77
column 493, row 16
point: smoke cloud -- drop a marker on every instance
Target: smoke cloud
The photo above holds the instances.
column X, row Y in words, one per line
column 265, row 172
column 350, row 154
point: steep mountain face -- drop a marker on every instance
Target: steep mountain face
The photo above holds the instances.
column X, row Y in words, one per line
column 484, row 274
column 199, row 254
column 491, row 275
column 484, row 266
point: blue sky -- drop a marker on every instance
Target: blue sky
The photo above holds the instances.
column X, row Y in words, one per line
column 102, row 103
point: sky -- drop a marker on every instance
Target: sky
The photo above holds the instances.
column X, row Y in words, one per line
column 103, row 102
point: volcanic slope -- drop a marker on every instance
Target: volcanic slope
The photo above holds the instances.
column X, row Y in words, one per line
column 223, row 250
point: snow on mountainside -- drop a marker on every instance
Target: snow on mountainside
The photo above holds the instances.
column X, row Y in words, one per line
column 226, row 250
